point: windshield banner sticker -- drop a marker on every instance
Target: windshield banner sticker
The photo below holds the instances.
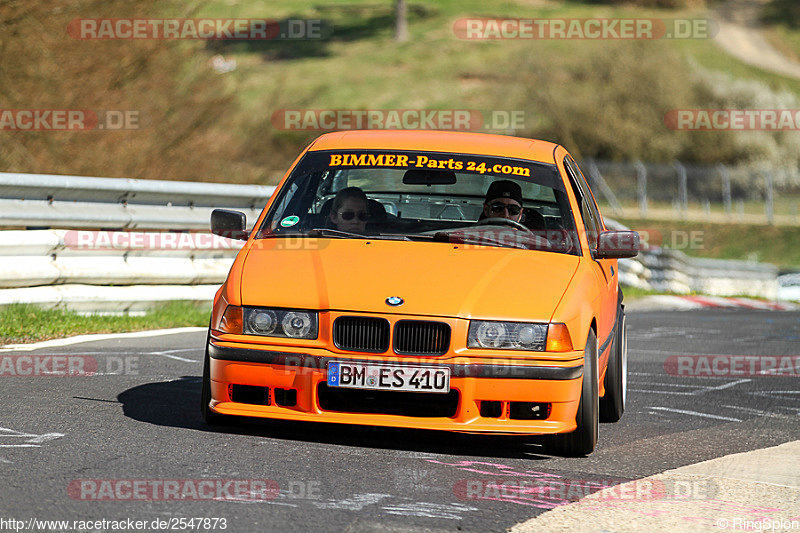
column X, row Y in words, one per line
column 426, row 161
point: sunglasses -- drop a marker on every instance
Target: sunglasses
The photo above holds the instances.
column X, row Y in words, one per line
column 349, row 215
column 499, row 207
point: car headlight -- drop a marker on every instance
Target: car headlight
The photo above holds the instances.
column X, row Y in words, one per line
column 507, row 335
column 298, row 325
column 280, row 323
column 261, row 321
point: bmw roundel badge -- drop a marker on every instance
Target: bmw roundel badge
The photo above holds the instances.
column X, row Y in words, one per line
column 394, row 300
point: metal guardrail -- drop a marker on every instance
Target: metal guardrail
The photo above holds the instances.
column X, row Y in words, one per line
column 57, row 257
column 663, row 269
column 673, row 271
column 111, row 271
column 54, row 201
column 116, row 271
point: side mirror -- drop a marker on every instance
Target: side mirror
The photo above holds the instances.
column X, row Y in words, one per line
column 617, row 244
column 229, row 224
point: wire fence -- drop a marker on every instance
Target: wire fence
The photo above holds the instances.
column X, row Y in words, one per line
column 681, row 191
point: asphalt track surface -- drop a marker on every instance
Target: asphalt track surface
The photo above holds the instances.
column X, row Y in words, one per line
column 144, row 424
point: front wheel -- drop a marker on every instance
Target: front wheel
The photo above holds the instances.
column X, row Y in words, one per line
column 583, row 440
column 612, row 404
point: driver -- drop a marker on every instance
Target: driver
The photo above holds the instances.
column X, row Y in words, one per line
column 503, row 200
column 349, row 211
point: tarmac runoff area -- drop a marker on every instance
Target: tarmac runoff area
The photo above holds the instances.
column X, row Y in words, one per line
column 752, row 491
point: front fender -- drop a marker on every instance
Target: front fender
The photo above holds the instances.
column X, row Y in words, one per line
column 579, row 305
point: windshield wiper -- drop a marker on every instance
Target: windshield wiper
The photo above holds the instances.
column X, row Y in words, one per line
column 475, row 239
column 330, row 232
column 407, row 236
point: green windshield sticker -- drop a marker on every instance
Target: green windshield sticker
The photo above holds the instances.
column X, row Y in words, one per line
column 290, row 221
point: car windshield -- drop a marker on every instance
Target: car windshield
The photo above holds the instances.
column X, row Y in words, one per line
column 424, row 196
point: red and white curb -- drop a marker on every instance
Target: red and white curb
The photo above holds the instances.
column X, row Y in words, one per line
column 676, row 302
column 746, row 303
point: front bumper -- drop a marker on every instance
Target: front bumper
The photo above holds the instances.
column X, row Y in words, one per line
column 476, row 380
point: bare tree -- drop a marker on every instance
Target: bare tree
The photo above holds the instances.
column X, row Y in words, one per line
column 401, row 21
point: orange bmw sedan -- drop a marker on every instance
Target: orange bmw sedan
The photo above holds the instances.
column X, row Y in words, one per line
column 419, row 279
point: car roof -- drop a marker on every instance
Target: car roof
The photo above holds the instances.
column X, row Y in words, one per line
column 438, row 141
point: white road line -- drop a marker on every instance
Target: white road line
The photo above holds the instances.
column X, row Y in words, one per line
column 666, row 384
column 724, row 386
column 772, row 394
column 756, row 411
column 97, row 337
column 663, row 392
column 46, row 437
column 451, row 511
column 177, row 358
column 33, row 440
column 695, row 413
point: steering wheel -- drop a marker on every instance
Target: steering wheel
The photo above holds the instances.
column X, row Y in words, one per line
column 500, row 221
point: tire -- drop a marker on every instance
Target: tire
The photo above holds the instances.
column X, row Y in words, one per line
column 612, row 405
column 582, row 441
column 211, row 418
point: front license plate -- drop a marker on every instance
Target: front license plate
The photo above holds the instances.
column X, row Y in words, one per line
column 388, row 377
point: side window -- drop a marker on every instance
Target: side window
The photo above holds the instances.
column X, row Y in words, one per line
column 589, row 195
column 589, row 211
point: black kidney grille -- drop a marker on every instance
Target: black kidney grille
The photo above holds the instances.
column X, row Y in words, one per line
column 419, row 337
column 361, row 334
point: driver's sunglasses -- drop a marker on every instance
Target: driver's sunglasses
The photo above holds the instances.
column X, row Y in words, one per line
column 499, row 207
column 363, row 216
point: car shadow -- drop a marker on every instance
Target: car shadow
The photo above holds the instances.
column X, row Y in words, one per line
column 176, row 404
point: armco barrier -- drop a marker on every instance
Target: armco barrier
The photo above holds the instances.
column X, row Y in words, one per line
column 54, row 267
column 667, row 270
column 118, row 271
column 58, row 257
column 111, row 271
column 52, row 201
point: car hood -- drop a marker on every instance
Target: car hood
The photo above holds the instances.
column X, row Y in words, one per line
column 433, row 279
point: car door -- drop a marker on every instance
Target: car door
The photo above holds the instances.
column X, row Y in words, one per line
column 604, row 269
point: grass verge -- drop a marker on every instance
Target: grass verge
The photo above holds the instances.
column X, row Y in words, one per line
column 21, row 323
